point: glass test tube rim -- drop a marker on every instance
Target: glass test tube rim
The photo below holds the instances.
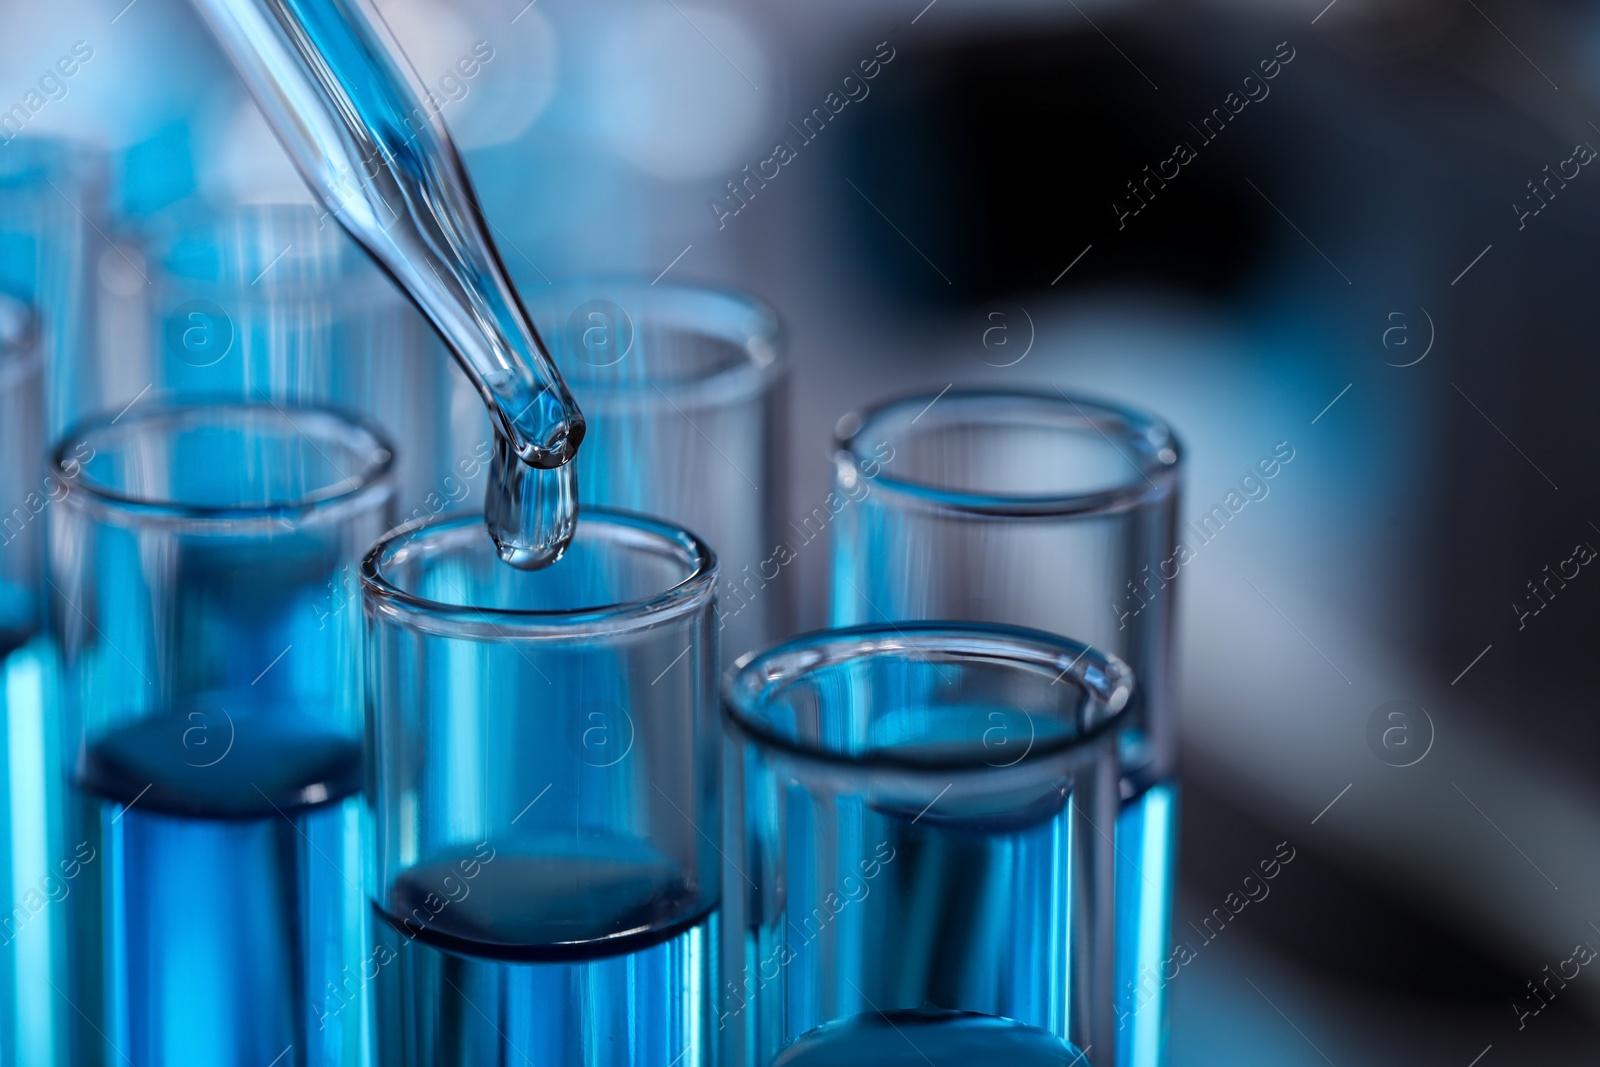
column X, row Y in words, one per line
column 1103, row 677
column 354, row 281
column 763, row 338
column 499, row 624
column 357, row 491
column 1157, row 450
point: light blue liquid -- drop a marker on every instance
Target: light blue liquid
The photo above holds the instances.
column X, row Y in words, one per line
column 955, row 919
column 920, row 1039
column 24, row 938
column 1146, row 839
column 12, row 924
column 224, row 890
column 959, row 905
column 587, row 952
column 35, row 865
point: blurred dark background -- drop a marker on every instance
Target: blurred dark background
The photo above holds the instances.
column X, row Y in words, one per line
column 1382, row 256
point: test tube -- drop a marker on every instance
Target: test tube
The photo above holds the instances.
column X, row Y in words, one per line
column 203, row 566
column 275, row 303
column 1055, row 512
column 545, row 750
column 683, row 389
column 52, row 219
column 22, row 495
column 25, row 931
column 917, row 868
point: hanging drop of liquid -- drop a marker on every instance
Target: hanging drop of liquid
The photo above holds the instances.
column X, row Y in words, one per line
column 531, row 512
column 330, row 79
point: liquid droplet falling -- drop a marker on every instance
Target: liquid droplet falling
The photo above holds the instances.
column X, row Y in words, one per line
column 330, row 78
column 531, row 512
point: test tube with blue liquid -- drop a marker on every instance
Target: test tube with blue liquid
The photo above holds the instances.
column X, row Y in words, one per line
column 544, row 751
column 205, row 602
column 1050, row 511
column 916, row 872
column 22, row 489
column 29, row 884
column 274, row 302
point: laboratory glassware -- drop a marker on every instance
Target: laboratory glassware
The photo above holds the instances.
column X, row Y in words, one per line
column 544, row 748
column 205, row 601
column 52, row 220
column 29, row 880
column 918, row 863
column 23, row 490
column 1055, row 512
column 274, row 302
column 683, row 390
column 356, row 120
